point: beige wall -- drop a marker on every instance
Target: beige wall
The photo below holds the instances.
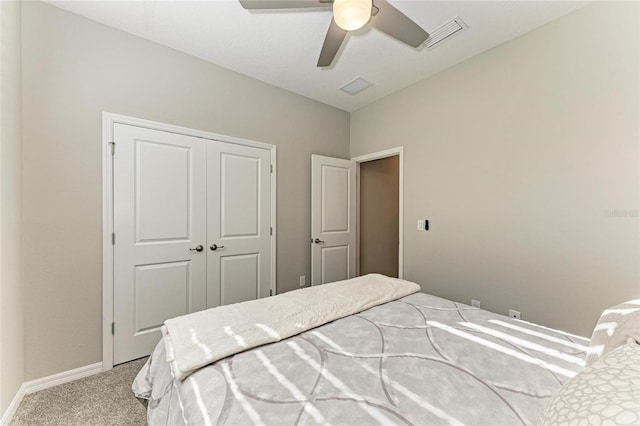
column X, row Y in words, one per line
column 379, row 215
column 11, row 293
column 73, row 70
column 525, row 160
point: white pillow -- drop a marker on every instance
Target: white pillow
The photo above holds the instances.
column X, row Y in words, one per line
column 606, row 392
column 616, row 324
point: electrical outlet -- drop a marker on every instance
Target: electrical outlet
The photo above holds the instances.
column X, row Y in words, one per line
column 303, row 280
column 514, row 314
column 475, row 303
column 420, row 225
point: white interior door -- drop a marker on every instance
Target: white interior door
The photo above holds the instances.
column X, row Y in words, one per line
column 239, row 223
column 160, row 227
column 333, row 219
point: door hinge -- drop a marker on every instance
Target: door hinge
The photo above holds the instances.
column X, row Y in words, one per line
column 270, row 292
column 271, row 168
column 113, row 148
column 113, row 328
column 113, row 238
column 271, row 230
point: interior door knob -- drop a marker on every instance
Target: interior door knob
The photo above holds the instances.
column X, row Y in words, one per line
column 198, row 248
column 318, row 241
column 215, row 247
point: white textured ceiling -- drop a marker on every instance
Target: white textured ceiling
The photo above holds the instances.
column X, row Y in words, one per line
column 282, row 47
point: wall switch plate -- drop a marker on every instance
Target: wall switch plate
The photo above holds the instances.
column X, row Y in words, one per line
column 303, row 280
column 420, row 225
column 475, row 303
column 514, row 314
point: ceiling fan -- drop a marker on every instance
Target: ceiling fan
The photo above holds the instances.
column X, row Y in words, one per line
column 351, row 15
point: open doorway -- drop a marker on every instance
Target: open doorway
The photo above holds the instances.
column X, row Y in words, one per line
column 379, row 213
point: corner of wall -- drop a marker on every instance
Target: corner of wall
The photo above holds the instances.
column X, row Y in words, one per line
column 11, row 288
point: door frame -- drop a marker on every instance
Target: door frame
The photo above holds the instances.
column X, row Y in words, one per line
column 108, row 122
column 391, row 152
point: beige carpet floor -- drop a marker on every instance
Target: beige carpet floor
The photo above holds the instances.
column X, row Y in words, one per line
column 102, row 399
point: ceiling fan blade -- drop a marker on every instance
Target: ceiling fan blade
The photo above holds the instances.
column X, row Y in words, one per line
column 282, row 4
column 391, row 21
column 332, row 42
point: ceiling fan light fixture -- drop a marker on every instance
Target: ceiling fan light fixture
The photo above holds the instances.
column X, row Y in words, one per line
column 351, row 15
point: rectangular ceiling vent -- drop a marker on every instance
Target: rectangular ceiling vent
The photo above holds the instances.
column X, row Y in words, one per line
column 356, row 86
column 445, row 31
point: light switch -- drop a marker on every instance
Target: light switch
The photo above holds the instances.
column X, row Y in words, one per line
column 420, row 225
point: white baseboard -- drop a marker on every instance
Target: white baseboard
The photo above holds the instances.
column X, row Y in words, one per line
column 48, row 382
column 60, row 378
column 11, row 409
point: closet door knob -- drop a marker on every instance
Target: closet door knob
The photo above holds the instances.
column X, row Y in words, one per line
column 198, row 248
column 318, row 241
column 215, row 247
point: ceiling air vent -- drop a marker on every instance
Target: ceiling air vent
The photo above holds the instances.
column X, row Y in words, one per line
column 445, row 31
column 356, row 86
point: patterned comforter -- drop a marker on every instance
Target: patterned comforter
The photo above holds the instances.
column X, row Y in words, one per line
column 419, row 360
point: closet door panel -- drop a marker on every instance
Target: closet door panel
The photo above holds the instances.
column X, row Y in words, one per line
column 238, row 223
column 159, row 221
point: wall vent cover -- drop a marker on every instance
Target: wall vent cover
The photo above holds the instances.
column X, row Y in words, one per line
column 445, row 31
column 356, row 86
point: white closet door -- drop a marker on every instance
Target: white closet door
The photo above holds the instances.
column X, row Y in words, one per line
column 239, row 223
column 333, row 219
column 160, row 224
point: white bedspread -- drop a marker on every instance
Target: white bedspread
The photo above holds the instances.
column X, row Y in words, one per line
column 419, row 360
column 195, row 340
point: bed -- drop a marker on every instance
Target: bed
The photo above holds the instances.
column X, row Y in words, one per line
column 414, row 360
